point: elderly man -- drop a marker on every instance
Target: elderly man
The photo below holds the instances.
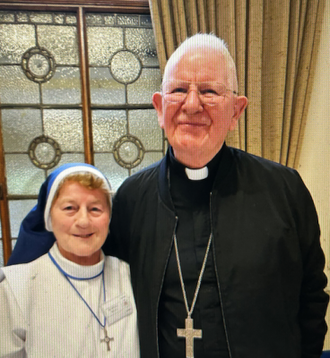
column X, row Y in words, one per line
column 223, row 246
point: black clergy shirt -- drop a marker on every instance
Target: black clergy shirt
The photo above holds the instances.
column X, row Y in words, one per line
column 191, row 199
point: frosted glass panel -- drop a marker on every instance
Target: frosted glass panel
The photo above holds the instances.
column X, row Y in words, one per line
column 65, row 126
column 18, row 209
column 108, row 126
column 125, row 66
column 104, row 89
column 144, row 125
column 6, row 17
column 22, row 17
column 149, row 158
column 128, row 20
column 14, row 41
column 103, row 42
column 114, row 172
column 15, row 87
column 61, row 41
column 1, row 253
column 69, row 158
column 141, row 91
column 19, row 128
column 63, row 88
column 23, row 178
column 142, row 42
column 41, row 17
column 124, row 74
column 41, row 104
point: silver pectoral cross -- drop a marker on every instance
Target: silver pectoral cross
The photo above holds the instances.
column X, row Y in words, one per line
column 189, row 333
column 106, row 338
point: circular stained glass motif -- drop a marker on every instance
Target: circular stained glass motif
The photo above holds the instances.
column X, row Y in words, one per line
column 128, row 151
column 38, row 64
column 125, row 67
column 44, row 152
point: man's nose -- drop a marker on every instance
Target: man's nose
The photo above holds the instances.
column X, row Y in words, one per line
column 192, row 103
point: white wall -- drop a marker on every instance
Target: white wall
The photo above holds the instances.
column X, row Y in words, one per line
column 314, row 164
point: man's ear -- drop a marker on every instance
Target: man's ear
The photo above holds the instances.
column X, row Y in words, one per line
column 157, row 101
column 241, row 104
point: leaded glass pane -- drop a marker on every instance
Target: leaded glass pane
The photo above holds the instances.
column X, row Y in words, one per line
column 142, row 43
column 39, row 68
column 141, row 91
column 71, row 19
column 65, row 127
column 113, row 171
column 19, row 128
column 143, row 124
column 103, row 42
column 22, row 17
column 16, row 88
column 149, row 158
column 41, row 18
column 61, row 41
column 125, row 66
column 1, row 252
column 15, row 40
column 104, row 89
column 69, row 158
column 128, row 20
column 59, row 19
column 41, row 105
column 64, row 87
column 6, row 17
column 23, row 178
column 124, row 74
column 108, row 127
column 18, row 209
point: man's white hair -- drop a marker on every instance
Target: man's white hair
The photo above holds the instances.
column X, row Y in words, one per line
column 210, row 42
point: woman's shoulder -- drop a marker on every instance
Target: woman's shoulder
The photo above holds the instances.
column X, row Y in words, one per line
column 21, row 276
column 115, row 264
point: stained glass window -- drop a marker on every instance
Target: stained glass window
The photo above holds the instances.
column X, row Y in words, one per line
column 124, row 73
column 41, row 98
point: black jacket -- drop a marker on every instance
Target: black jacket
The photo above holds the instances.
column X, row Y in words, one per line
column 267, row 254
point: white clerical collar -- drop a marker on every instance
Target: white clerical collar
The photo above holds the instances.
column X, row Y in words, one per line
column 197, row 174
column 73, row 269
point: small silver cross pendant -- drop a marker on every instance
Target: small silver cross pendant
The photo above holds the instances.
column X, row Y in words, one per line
column 106, row 338
column 189, row 333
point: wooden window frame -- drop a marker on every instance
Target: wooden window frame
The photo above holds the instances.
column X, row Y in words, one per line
column 80, row 7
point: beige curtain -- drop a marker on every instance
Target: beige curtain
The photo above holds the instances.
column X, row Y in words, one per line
column 274, row 45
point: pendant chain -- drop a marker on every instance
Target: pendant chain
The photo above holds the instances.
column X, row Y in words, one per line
column 106, row 338
column 190, row 311
column 79, row 294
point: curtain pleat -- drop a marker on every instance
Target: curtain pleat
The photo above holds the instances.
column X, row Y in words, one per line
column 202, row 16
column 211, row 15
column 238, row 139
column 253, row 76
column 273, row 75
column 305, row 77
column 292, row 65
column 274, row 45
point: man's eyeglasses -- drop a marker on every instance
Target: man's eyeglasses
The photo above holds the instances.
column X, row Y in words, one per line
column 176, row 91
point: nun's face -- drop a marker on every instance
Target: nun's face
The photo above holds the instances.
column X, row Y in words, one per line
column 80, row 220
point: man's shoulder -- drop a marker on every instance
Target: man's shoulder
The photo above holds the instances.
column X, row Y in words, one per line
column 141, row 179
column 255, row 162
column 256, row 172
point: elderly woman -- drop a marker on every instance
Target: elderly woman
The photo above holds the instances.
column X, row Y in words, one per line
column 73, row 301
